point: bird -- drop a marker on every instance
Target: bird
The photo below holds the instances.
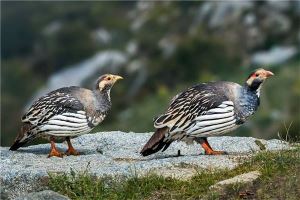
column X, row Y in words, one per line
column 66, row 113
column 207, row 109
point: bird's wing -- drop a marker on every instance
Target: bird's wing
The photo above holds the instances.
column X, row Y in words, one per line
column 197, row 108
column 53, row 103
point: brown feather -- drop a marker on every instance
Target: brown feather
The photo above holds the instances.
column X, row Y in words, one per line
column 22, row 138
column 156, row 142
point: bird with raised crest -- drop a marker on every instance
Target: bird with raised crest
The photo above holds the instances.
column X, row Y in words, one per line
column 204, row 110
column 66, row 113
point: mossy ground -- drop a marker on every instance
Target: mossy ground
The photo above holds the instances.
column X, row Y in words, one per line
column 280, row 180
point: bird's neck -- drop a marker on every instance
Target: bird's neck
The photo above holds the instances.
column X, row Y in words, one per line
column 254, row 87
column 103, row 100
column 248, row 101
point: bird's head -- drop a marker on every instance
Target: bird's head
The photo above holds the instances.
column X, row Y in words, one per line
column 256, row 78
column 106, row 81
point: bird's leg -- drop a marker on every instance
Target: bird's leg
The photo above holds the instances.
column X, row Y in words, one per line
column 71, row 150
column 54, row 151
column 208, row 150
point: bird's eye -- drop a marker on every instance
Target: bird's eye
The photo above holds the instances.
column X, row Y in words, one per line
column 108, row 78
column 256, row 75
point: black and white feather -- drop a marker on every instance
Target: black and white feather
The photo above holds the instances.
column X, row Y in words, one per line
column 59, row 114
column 67, row 112
column 202, row 110
column 207, row 109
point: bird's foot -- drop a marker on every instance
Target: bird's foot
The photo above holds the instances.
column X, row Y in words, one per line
column 212, row 152
column 207, row 148
column 72, row 151
column 56, row 153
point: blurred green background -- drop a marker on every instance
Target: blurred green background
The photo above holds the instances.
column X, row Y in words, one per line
column 160, row 48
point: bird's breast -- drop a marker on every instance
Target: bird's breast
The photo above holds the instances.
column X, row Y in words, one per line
column 247, row 104
column 96, row 118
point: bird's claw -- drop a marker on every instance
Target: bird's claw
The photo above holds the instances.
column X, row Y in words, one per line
column 72, row 152
column 56, row 154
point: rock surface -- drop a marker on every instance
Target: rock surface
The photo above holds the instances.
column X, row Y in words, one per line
column 117, row 154
column 246, row 178
column 275, row 56
column 43, row 195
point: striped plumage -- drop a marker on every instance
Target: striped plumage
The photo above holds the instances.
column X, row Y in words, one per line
column 66, row 112
column 207, row 109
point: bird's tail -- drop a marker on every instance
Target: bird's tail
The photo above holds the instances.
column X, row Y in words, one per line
column 17, row 144
column 22, row 138
column 156, row 142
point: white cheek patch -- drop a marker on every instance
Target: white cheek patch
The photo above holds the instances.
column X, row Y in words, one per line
column 102, row 85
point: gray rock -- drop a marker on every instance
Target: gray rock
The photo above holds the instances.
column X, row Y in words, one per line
column 43, row 195
column 168, row 46
column 296, row 7
column 52, row 28
column 102, row 36
column 220, row 14
column 280, row 21
column 246, row 178
column 275, row 56
column 117, row 154
column 279, row 5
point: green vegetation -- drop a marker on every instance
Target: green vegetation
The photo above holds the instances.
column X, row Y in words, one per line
column 279, row 180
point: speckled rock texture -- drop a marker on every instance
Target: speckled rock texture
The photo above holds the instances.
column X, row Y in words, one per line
column 117, row 154
column 43, row 195
column 246, row 178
